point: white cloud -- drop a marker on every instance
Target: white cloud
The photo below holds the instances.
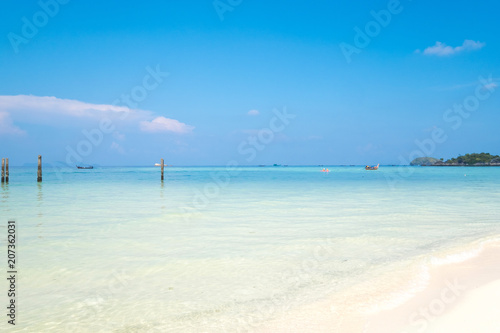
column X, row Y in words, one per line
column 490, row 86
column 51, row 104
column 253, row 112
column 7, row 126
column 117, row 147
column 493, row 83
column 162, row 124
column 118, row 136
column 441, row 49
column 68, row 112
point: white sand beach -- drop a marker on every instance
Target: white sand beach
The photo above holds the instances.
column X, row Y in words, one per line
column 461, row 296
column 479, row 311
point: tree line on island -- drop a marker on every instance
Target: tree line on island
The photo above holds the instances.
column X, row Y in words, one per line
column 482, row 159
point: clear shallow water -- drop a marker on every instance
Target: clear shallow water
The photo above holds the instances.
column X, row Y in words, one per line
column 114, row 249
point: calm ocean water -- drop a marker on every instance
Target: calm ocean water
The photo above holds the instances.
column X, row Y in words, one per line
column 208, row 250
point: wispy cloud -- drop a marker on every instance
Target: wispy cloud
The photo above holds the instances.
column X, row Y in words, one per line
column 51, row 104
column 44, row 109
column 7, row 126
column 441, row 49
column 488, row 86
column 117, row 147
column 118, row 136
column 253, row 112
column 162, row 124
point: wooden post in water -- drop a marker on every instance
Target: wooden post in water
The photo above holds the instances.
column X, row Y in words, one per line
column 39, row 175
column 3, row 170
column 162, row 169
column 6, row 170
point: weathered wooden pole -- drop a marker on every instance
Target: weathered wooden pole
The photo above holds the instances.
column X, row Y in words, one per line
column 3, row 170
column 39, row 175
column 6, row 170
column 162, row 169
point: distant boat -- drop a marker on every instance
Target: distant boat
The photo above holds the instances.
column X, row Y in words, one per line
column 157, row 164
column 84, row 167
column 373, row 167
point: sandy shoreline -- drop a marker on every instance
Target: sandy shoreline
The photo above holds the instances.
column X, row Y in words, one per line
column 461, row 294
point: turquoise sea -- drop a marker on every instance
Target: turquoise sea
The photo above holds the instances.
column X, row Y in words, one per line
column 114, row 249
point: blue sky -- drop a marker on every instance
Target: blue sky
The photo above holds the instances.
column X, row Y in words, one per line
column 233, row 66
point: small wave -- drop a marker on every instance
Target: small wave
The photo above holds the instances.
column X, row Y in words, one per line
column 403, row 293
column 421, row 279
column 471, row 251
column 456, row 257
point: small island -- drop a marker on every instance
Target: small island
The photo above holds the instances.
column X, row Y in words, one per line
column 482, row 159
column 424, row 161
